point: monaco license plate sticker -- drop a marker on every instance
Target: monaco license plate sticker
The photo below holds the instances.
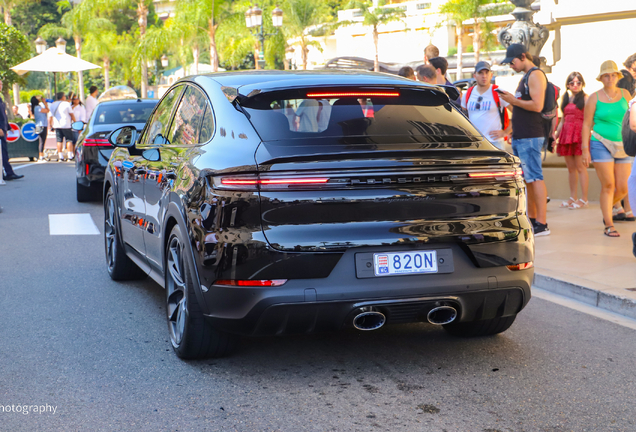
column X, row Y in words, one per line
column 387, row 264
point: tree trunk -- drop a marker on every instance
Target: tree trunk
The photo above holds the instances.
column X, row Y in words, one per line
column 195, row 56
column 476, row 40
column 214, row 54
column 460, row 51
column 106, row 73
column 376, row 63
column 16, row 95
column 257, row 56
column 304, row 52
column 80, row 75
column 142, row 15
column 7, row 16
column 7, row 98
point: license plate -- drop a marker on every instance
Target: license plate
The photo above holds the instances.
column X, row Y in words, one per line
column 398, row 263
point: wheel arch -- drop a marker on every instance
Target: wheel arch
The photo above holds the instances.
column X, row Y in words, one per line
column 174, row 216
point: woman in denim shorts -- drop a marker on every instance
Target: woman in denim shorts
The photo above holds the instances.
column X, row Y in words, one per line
column 604, row 112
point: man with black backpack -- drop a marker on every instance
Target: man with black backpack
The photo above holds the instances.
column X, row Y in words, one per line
column 530, row 128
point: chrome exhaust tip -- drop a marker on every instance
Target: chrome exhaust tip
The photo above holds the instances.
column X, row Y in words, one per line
column 442, row 315
column 371, row 320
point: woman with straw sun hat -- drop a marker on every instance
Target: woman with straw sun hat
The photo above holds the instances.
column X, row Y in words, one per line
column 601, row 141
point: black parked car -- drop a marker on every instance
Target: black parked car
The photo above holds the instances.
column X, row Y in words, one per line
column 293, row 202
column 93, row 149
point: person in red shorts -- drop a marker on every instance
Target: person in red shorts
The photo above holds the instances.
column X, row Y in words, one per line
column 568, row 134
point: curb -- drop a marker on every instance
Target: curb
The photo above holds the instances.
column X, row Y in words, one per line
column 610, row 302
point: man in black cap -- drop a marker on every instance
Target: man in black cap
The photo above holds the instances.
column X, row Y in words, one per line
column 485, row 108
column 528, row 131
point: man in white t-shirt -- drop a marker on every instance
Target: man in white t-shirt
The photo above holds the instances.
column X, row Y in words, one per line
column 484, row 112
column 91, row 102
column 61, row 118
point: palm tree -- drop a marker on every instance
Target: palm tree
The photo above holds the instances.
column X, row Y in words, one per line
column 299, row 16
column 375, row 16
column 458, row 11
column 7, row 5
column 189, row 26
column 107, row 47
column 76, row 23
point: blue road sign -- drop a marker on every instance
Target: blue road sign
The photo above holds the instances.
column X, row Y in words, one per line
column 28, row 132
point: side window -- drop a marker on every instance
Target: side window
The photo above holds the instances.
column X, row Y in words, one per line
column 160, row 120
column 207, row 126
column 187, row 124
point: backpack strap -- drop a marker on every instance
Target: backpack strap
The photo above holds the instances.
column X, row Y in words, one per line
column 503, row 114
column 468, row 93
column 526, row 77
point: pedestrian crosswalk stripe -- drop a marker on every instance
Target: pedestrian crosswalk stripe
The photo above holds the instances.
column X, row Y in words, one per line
column 72, row 224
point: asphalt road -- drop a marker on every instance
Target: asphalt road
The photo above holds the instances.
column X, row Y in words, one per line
column 97, row 351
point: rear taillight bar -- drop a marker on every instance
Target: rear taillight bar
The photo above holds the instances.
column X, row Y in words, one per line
column 251, row 283
column 516, row 173
column 253, row 182
column 96, row 142
column 354, row 94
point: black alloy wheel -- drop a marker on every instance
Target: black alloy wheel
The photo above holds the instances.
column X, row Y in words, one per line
column 192, row 337
column 120, row 267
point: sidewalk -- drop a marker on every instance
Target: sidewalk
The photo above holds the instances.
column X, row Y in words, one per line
column 576, row 260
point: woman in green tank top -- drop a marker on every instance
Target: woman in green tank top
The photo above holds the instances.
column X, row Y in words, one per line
column 604, row 113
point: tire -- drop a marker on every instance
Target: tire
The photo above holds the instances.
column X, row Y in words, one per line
column 191, row 335
column 480, row 328
column 84, row 193
column 120, row 267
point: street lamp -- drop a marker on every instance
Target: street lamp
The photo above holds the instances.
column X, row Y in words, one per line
column 40, row 45
column 60, row 43
column 254, row 20
column 164, row 61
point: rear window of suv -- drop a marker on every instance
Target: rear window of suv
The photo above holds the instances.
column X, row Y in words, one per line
column 125, row 113
column 314, row 113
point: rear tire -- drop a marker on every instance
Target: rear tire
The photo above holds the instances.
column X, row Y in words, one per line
column 84, row 193
column 191, row 335
column 120, row 267
column 480, row 328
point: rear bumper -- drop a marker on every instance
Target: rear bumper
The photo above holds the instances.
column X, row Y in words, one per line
column 324, row 304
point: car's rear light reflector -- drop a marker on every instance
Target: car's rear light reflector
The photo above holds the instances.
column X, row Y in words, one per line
column 87, row 169
column 494, row 174
column 522, row 266
column 251, row 283
column 353, row 94
column 96, row 142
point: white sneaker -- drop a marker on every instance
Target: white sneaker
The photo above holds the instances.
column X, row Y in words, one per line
column 60, row 157
column 70, row 156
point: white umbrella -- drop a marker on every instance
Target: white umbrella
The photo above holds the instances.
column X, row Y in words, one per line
column 52, row 60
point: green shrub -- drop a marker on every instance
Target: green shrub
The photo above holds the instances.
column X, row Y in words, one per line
column 452, row 51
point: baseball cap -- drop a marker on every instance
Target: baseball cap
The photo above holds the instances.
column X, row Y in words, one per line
column 481, row 66
column 513, row 51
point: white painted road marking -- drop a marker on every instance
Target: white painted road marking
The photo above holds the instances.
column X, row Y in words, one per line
column 585, row 308
column 72, row 224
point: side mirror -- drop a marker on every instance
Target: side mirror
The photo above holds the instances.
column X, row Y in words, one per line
column 78, row 126
column 123, row 137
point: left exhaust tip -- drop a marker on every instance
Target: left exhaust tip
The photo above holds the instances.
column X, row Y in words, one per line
column 369, row 321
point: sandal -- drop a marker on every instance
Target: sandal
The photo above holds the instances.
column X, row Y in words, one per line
column 629, row 217
column 579, row 204
column 610, row 231
column 568, row 203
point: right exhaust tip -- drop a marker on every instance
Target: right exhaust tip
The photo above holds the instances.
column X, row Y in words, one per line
column 442, row 315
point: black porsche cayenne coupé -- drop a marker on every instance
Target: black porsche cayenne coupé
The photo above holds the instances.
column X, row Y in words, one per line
column 275, row 202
